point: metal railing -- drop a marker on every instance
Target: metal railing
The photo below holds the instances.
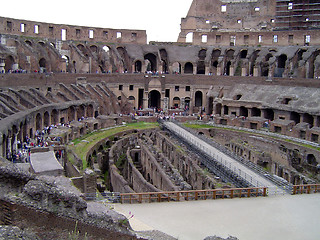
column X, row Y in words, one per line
column 194, row 195
column 281, row 183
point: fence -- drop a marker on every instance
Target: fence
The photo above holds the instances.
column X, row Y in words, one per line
column 310, row 188
column 194, row 195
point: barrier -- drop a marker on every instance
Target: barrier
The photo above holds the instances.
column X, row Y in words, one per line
column 309, row 188
column 193, row 195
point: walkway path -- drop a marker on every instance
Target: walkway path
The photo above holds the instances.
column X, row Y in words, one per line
column 236, row 167
column 277, row 218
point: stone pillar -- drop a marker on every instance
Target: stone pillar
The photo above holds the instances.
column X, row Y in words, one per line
column 165, row 104
column 218, row 71
column 255, row 71
column 231, row 71
column 207, row 71
column 195, row 70
column 243, row 71
column 145, row 99
column 89, row 181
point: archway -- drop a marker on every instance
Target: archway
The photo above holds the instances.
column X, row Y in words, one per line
column 198, row 99
column 188, row 68
column 90, row 111
column 154, row 99
column 9, row 61
column 243, row 111
column 46, row 119
column 38, row 122
column 54, row 116
column 281, row 65
column 255, row 112
column 138, row 66
column 176, row 68
column 227, row 69
column 176, row 102
column 153, row 61
column 218, row 108
column 71, row 114
column 42, row 65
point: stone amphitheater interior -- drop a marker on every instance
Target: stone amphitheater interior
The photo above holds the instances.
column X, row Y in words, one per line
column 89, row 117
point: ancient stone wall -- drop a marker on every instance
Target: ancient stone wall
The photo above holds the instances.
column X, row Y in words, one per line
column 63, row 32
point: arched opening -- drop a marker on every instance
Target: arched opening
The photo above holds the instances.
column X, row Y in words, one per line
column 252, row 61
column 243, row 53
column 132, row 100
column 218, row 108
column 71, row 114
column 94, row 48
column 176, row 102
column 125, row 59
column 42, row 65
column 9, row 61
column 187, row 103
column 311, row 160
column 46, row 119
column 80, row 112
column 153, row 61
column 201, row 68
column 269, row 114
column 189, row 37
column 28, row 42
column 227, row 69
column 198, row 99
column 138, row 66
column 176, row 68
column 90, row 111
column 255, row 112
column 210, row 105
column 281, row 65
column 82, row 49
column 54, row 117
column 188, row 68
column 67, row 60
column 164, row 59
column 38, row 122
column 295, row 117
column 307, row 118
column 154, row 99
column 243, row 111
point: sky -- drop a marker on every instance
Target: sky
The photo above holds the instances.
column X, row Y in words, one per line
column 161, row 18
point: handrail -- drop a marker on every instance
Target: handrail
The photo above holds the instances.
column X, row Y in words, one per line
column 307, row 188
column 193, row 195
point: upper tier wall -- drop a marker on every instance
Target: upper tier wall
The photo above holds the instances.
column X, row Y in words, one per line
column 67, row 32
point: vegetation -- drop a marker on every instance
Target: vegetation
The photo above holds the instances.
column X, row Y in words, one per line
column 82, row 145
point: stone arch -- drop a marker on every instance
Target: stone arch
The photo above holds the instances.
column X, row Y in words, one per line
column 187, row 103
column 94, row 48
column 307, row 118
column 218, row 108
column 71, row 113
column 132, row 100
column 54, row 117
column 176, row 68
column 138, row 66
column 164, row 59
column 9, row 62
column 80, row 112
column 252, row 61
column 201, row 68
column 28, row 42
column 311, row 160
column 90, row 110
column 154, row 99
column 281, row 65
column 38, row 122
column 67, row 61
column 153, row 61
column 125, row 59
column 243, row 53
column 83, row 49
column 188, row 68
column 189, row 37
column 46, row 119
column 176, row 102
column 228, row 68
column 311, row 72
column 42, row 64
column 198, row 99
column 269, row 114
column 255, row 112
column 295, row 117
column 243, row 111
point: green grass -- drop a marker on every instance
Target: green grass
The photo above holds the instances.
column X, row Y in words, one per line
column 81, row 146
